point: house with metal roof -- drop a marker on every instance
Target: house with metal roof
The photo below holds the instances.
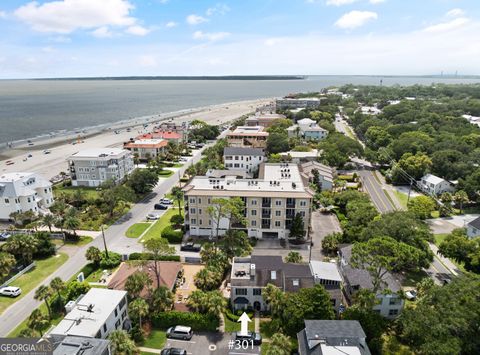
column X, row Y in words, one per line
column 473, row 228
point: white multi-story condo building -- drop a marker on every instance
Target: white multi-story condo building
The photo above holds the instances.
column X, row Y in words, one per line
column 95, row 315
column 92, row 167
column 247, row 159
column 21, row 192
column 305, row 102
column 271, row 202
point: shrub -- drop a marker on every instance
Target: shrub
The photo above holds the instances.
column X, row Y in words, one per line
column 198, row 322
column 149, row 256
column 45, row 246
column 114, row 259
column 177, row 220
column 75, row 289
column 173, row 236
column 184, row 179
column 70, row 237
column 234, row 317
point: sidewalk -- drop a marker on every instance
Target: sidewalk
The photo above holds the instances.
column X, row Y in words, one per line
column 445, row 261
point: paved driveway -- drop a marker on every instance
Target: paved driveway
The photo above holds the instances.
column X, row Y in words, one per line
column 211, row 344
column 323, row 224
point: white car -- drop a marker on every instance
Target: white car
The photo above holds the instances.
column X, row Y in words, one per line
column 152, row 216
column 10, row 291
column 411, row 295
column 166, row 201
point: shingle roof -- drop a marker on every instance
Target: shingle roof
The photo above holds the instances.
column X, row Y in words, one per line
column 243, row 151
column 475, row 223
column 333, row 328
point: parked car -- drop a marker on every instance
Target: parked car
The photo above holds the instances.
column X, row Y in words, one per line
column 411, row 295
column 256, row 338
column 180, row 332
column 46, row 151
column 4, row 236
column 160, row 206
column 153, row 216
column 190, row 247
column 166, row 201
column 173, row 351
column 10, row 291
column 9, row 162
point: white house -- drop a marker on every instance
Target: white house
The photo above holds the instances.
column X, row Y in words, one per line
column 307, row 129
column 95, row 315
column 473, row 228
column 92, row 167
column 21, row 192
column 327, row 275
column 433, row 185
column 247, row 159
column 325, row 174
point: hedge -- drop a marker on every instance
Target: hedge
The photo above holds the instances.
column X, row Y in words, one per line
column 149, row 256
column 198, row 321
column 234, row 317
column 114, row 259
column 173, row 236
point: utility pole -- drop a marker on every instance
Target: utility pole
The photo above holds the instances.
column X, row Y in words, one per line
column 409, row 190
column 104, row 243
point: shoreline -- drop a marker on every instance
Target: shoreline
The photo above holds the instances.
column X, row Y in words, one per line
column 104, row 136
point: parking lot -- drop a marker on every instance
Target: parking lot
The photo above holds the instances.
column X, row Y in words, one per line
column 211, row 344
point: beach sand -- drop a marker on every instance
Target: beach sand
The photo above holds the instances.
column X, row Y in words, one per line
column 50, row 165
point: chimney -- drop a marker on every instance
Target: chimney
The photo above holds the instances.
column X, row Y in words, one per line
column 252, row 271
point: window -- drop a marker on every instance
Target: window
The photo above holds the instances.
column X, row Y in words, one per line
column 393, row 312
column 273, row 275
column 278, row 224
column 199, row 200
column 193, row 210
column 116, row 313
column 28, row 199
column 209, row 201
column 117, row 324
column 200, row 222
column 394, row 300
column 254, row 202
column 193, row 221
column 254, row 212
column 122, row 303
column 104, row 328
column 254, row 223
column 124, row 315
column 257, row 291
column 303, row 203
column 278, row 202
column 7, row 200
column 199, row 211
column 296, row 282
column 278, row 213
column 209, row 222
column 302, row 213
column 192, row 199
column 241, row 291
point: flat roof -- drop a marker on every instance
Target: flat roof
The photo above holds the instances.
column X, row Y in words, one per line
column 98, row 153
column 281, row 172
column 311, row 154
column 325, row 271
column 248, row 130
column 81, row 322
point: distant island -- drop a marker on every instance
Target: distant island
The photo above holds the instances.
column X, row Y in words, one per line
column 227, row 77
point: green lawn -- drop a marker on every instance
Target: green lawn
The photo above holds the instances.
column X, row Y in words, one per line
column 90, row 192
column 55, row 320
column 177, row 165
column 137, row 229
column 439, row 238
column 401, row 197
column 84, row 240
column 165, row 173
column 159, row 225
column 34, row 277
column 97, row 274
column 231, row 326
column 156, row 339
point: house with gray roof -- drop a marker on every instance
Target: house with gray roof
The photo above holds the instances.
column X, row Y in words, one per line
column 473, row 228
column 250, row 275
column 22, row 192
column 326, row 174
column 243, row 158
column 332, row 337
column 389, row 303
column 73, row 345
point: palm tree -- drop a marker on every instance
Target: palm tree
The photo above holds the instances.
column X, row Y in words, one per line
column 177, row 194
column 216, row 303
column 460, row 198
column 43, row 293
column 138, row 309
column 57, row 285
column 72, row 223
column 208, row 279
column 275, row 298
column 38, row 322
column 162, row 300
column 24, row 245
column 279, row 345
column 48, row 220
column 94, row 255
column 136, row 282
column 7, row 262
column 294, row 257
column 121, row 343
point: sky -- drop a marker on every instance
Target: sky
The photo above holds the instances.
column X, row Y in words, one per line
column 81, row 38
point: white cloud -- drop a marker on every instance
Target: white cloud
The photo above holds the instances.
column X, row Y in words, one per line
column 147, row 61
column 455, row 12
column 214, row 36
column 3, row 14
column 448, row 26
column 66, row 16
column 220, row 9
column 195, row 19
column 48, row 49
column 272, row 41
column 138, row 30
column 375, row 2
column 102, row 32
column 338, row 2
column 354, row 19
column 171, row 24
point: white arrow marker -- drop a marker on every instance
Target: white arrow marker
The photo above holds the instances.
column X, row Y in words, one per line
column 245, row 319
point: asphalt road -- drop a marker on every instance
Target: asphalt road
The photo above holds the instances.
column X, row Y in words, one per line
column 116, row 241
column 376, row 192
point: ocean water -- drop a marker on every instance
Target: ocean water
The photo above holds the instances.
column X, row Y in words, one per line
column 29, row 108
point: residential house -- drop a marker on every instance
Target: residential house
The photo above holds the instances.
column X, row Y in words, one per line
column 169, row 271
column 473, row 228
column 307, row 129
column 95, row 314
column 248, row 136
column 73, row 345
column 299, row 157
column 332, row 337
column 327, row 275
column 305, row 102
column 271, row 201
column 242, row 158
column 93, row 167
column 250, row 275
column 434, row 185
column 263, row 119
column 146, row 149
column 370, row 110
column 325, row 174
column 390, row 304
column 22, row 192
column 169, row 136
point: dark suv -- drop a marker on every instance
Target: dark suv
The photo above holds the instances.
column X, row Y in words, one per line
column 250, row 336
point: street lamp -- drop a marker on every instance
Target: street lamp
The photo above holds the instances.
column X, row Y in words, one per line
column 104, row 242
